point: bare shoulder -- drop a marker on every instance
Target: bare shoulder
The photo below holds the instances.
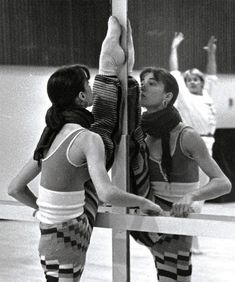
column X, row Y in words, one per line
column 86, row 146
column 189, row 134
column 90, row 136
column 192, row 142
column 88, row 139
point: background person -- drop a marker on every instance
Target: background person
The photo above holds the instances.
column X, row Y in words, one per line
column 195, row 103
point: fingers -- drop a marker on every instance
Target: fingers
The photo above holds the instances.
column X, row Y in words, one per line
column 165, row 213
column 179, row 35
column 151, row 212
column 181, row 210
column 151, row 208
column 211, row 44
column 212, row 40
column 178, row 38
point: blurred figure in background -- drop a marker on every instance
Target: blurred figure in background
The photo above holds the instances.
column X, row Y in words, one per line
column 195, row 103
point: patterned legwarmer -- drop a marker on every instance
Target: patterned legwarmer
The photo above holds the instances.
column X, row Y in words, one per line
column 91, row 202
column 172, row 253
column 63, row 247
column 108, row 111
column 139, row 169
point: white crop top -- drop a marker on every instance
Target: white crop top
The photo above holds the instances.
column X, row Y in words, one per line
column 56, row 207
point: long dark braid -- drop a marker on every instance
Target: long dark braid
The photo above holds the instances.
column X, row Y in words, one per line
column 62, row 88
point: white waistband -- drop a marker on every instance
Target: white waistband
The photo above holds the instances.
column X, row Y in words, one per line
column 56, row 207
column 172, row 191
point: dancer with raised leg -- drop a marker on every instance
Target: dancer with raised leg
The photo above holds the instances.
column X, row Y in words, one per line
column 68, row 156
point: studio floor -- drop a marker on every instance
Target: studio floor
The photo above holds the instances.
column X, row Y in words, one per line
column 19, row 260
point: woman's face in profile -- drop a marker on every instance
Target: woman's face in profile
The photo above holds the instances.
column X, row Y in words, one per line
column 152, row 92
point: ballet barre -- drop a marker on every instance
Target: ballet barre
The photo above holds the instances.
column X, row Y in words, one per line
column 207, row 225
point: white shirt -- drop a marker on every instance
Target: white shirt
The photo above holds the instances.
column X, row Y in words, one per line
column 197, row 111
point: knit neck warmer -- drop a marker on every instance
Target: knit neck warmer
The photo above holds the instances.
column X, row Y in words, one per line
column 56, row 118
column 159, row 125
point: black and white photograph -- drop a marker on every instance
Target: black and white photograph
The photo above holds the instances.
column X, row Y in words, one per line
column 117, row 140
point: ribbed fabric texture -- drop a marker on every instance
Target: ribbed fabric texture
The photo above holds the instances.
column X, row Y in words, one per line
column 108, row 112
column 56, row 207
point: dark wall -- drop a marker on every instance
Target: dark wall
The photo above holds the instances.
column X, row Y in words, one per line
column 55, row 32
column 52, row 32
column 155, row 21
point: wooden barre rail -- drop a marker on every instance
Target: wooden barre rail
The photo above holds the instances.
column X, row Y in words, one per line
column 217, row 226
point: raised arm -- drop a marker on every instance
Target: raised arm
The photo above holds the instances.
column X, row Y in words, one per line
column 173, row 59
column 93, row 150
column 211, row 67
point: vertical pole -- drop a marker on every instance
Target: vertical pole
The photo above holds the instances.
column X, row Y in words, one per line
column 120, row 173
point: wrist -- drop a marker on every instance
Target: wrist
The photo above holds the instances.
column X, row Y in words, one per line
column 193, row 196
column 211, row 55
column 143, row 202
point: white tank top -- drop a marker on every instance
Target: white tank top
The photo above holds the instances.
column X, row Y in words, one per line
column 59, row 206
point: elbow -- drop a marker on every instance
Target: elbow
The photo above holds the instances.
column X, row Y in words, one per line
column 13, row 190
column 227, row 186
column 107, row 196
column 104, row 196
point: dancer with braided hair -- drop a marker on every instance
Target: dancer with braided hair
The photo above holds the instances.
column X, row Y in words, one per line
column 71, row 158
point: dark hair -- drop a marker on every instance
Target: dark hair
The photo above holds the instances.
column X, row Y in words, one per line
column 167, row 118
column 196, row 72
column 64, row 84
column 62, row 88
column 161, row 74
